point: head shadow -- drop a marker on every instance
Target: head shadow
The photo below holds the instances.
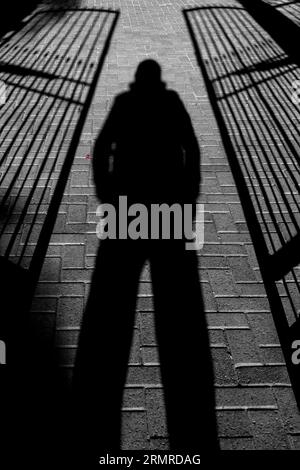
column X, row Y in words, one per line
column 147, row 148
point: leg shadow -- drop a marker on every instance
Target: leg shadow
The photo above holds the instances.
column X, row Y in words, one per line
column 186, row 365
column 104, row 345
column 105, row 340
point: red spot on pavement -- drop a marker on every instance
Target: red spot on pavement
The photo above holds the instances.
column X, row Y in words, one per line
column 88, row 157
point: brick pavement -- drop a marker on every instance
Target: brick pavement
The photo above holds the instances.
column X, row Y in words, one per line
column 256, row 408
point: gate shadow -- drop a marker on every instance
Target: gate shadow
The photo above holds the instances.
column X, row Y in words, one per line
column 48, row 93
column 248, row 68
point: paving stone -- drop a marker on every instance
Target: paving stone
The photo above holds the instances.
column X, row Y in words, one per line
column 223, row 367
column 156, row 413
column 288, row 409
column 242, row 346
column 234, row 424
column 134, row 397
column 134, row 430
column 251, row 397
column 237, row 443
column 268, row 430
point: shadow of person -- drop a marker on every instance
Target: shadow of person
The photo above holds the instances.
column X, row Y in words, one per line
column 146, row 151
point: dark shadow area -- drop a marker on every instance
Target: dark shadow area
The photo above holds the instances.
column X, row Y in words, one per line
column 13, row 13
column 23, row 71
column 258, row 121
column 63, row 3
column 146, row 151
column 49, row 90
column 290, row 9
column 280, row 21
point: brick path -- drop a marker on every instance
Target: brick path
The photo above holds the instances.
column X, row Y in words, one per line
column 256, row 408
